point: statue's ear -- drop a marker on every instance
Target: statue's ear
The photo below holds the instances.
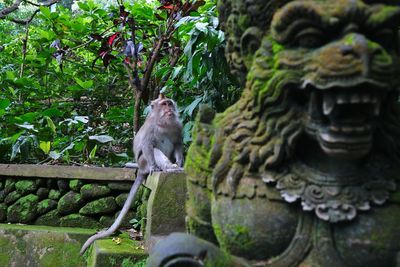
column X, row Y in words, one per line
column 249, row 44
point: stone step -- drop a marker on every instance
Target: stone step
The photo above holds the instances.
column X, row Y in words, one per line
column 42, row 246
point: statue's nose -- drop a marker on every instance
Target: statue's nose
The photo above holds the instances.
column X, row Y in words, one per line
column 359, row 47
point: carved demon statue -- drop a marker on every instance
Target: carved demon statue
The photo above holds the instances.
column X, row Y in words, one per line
column 304, row 170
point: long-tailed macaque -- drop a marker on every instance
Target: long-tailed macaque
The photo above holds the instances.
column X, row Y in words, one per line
column 157, row 147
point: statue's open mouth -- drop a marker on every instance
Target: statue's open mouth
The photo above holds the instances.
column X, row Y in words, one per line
column 343, row 119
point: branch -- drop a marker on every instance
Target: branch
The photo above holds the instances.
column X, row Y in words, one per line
column 4, row 12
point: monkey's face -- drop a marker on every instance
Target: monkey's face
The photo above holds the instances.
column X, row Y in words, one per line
column 167, row 109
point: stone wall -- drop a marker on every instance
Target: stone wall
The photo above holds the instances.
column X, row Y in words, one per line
column 67, row 196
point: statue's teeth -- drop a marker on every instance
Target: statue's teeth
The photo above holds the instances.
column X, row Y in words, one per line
column 328, row 104
column 355, row 98
column 342, row 99
column 366, row 98
column 377, row 108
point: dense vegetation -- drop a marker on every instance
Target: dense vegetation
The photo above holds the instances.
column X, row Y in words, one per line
column 75, row 82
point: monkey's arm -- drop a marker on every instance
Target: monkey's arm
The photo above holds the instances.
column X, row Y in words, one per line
column 138, row 181
column 148, row 155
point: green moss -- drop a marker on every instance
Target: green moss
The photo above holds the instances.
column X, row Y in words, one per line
column 54, row 194
column 25, row 186
column 100, row 206
column 4, row 256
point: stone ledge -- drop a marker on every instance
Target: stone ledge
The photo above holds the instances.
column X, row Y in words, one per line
column 67, row 172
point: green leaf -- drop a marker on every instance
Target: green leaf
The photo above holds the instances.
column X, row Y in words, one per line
column 189, row 109
column 84, row 84
column 93, row 153
column 50, row 123
column 26, row 126
column 4, row 103
column 83, row 6
column 45, row 11
column 101, row 138
column 45, row 146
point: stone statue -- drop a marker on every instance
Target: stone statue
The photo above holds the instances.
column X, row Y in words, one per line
column 304, row 170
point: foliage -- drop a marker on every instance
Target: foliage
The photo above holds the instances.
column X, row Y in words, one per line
column 69, row 96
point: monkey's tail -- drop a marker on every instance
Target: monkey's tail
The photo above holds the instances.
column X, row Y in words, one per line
column 138, row 181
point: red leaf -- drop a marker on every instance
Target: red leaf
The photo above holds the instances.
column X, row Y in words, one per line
column 111, row 39
column 167, row 7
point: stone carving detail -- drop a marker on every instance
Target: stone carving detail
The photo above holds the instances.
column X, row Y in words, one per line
column 304, row 170
column 332, row 201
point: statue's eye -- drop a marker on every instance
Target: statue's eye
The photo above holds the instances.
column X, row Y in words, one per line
column 309, row 38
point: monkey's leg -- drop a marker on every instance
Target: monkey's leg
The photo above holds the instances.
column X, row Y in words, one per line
column 163, row 161
column 138, row 181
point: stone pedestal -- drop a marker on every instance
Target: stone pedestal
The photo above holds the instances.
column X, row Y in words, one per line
column 166, row 206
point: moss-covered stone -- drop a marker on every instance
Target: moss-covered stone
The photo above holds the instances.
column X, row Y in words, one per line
column 76, row 185
column 69, row 203
column 54, row 194
column 126, row 220
column 42, row 192
column 108, row 253
column 93, row 191
column 26, row 187
column 9, row 186
column 3, row 213
column 101, row 206
column 120, row 199
column 2, row 195
column 106, row 221
column 23, row 210
column 1, row 184
column 12, row 197
column 63, row 185
column 120, row 186
column 45, row 206
column 51, row 218
column 77, row 220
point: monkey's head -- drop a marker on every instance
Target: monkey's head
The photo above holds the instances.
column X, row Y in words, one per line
column 164, row 108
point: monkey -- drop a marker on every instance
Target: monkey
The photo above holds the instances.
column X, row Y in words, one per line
column 158, row 146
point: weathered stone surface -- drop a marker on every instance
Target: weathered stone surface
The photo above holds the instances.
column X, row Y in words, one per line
column 9, row 186
column 69, row 203
column 3, row 212
column 106, row 253
column 93, row 191
column 42, row 192
column 54, row 194
column 77, row 220
column 45, row 206
column 106, row 221
column 105, row 205
column 2, row 195
column 12, row 197
column 120, row 186
column 63, row 185
column 25, row 187
column 44, row 246
column 51, row 218
column 23, row 210
column 126, row 220
column 76, row 185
